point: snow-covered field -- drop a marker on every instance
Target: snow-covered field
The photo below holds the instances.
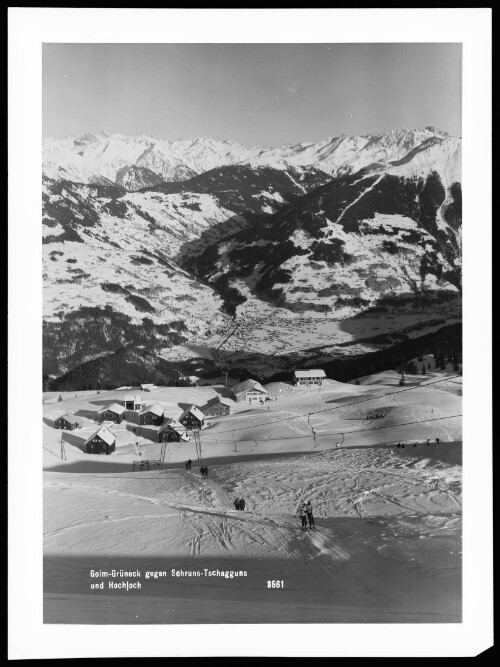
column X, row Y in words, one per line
column 388, row 542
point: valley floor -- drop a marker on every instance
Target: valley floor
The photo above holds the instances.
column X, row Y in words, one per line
column 267, row 340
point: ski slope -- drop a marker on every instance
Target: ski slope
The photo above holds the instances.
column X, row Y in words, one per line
column 388, row 542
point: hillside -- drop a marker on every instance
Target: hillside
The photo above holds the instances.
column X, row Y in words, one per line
column 107, row 249
column 340, row 248
column 350, row 243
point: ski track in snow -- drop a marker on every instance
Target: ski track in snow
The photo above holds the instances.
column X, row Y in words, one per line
column 342, row 483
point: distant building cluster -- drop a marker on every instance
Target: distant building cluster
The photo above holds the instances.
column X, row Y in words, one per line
column 151, row 422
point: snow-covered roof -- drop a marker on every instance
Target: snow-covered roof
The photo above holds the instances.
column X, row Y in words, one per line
column 248, row 385
column 218, row 399
column 147, row 385
column 132, row 397
column 69, row 417
column 312, row 373
column 113, row 407
column 105, row 435
column 174, row 425
column 194, row 410
column 154, row 409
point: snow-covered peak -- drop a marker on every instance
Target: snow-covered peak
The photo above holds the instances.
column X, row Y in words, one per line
column 99, row 155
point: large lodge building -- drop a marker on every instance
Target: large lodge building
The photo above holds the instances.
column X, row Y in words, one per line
column 249, row 391
column 314, row 376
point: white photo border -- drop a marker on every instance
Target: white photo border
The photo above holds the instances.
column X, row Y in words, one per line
column 29, row 638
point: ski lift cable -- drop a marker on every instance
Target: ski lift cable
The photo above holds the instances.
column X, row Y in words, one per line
column 338, row 407
column 354, row 432
column 312, row 428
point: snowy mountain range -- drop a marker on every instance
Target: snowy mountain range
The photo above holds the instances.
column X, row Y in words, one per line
column 136, row 162
column 192, row 250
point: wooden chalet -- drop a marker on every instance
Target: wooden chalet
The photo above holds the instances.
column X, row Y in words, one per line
column 113, row 413
column 102, row 441
column 152, row 415
column 67, row 422
column 192, row 418
column 172, row 431
column 216, row 407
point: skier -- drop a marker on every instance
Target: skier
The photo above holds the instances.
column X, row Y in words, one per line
column 437, row 441
column 189, row 464
column 428, row 441
column 242, row 504
column 303, row 516
column 202, row 470
column 309, row 510
column 237, row 503
column 206, row 471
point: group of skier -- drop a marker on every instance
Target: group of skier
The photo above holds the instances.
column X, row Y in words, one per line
column 203, row 469
column 306, row 514
column 428, row 442
column 239, row 503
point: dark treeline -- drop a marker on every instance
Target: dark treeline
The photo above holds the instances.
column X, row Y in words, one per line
column 445, row 344
column 133, row 366
column 129, row 366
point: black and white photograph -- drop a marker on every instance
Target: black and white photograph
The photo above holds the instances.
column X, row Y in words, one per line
column 251, row 323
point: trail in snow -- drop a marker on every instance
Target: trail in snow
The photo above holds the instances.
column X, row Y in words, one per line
column 358, row 198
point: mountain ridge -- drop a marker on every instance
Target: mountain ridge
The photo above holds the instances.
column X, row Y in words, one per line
column 102, row 156
column 269, row 257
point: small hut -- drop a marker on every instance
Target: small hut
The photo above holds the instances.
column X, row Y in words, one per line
column 103, row 441
column 216, row 407
column 172, row 431
column 112, row 413
column 192, row 418
column 152, row 415
column 67, row 422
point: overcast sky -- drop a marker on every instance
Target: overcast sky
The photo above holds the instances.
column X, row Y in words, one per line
column 264, row 94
